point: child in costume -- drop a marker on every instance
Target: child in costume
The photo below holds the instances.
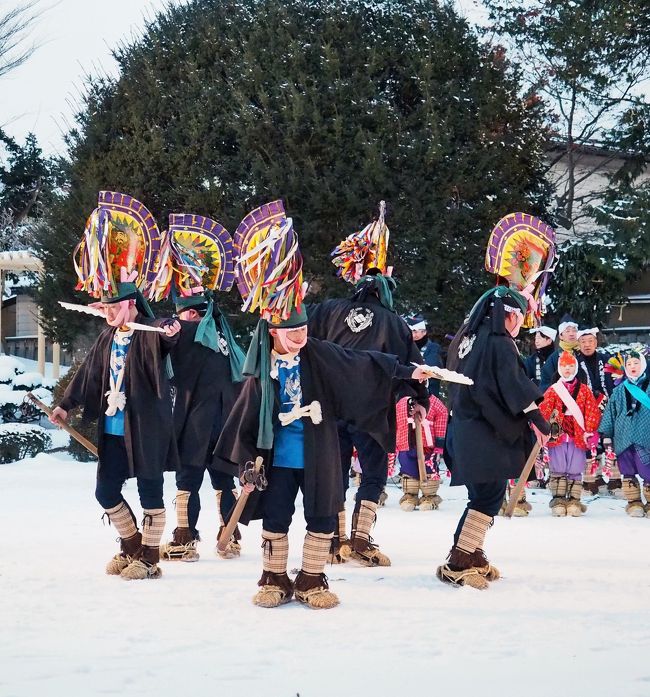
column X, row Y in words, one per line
column 287, row 411
column 625, row 428
column 123, row 382
column 573, row 412
column 207, row 365
column 593, row 363
column 434, row 429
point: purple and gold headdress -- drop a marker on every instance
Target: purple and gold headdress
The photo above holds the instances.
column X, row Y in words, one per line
column 201, row 253
column 121, row 240
column 269, row 263
column 521, row 253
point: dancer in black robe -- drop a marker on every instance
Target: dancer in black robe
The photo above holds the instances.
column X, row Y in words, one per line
column 288, row 415
column 489, row 435
column 368, row 321
column 207, row 377
column 123, row 384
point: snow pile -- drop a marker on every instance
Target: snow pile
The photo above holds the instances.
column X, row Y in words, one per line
column 27, row 381
column 9, row 368
column 571, row 613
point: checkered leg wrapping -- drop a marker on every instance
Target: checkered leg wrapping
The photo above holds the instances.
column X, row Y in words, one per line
column 472, row 534
column 182, row 500
column 364, row 519
column 123, row 520
column 316, row 552
column 153, row 526
column 631, row 490
column 276, row 551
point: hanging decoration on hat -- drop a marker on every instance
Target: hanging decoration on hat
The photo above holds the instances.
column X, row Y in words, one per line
column 122, row 240
column 364, row 250
column 269, row 263
column 521, row 253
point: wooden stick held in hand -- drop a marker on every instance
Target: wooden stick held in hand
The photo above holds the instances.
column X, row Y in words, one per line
column 91, row 447
column 229, row 528
column 419, row 447
column 523, row 478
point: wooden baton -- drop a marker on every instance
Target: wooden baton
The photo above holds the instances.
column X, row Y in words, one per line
column 419, row 447
column 229, row 528
column 523, row 478
column 91, row 447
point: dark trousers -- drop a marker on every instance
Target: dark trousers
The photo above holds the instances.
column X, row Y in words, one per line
column 191, row 478
column 114, row 471
column 373, row 460
column 484, row 498
column 280, row 503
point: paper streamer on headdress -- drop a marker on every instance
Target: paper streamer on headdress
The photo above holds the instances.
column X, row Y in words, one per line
column 121, row 233
column 363, row 250
column 269, row 264
column 521, row 253
column 201, row 253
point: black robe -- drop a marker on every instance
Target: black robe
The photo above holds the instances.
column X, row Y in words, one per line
column 355, row 386
column 205, row 394
column 148, row 426
column 488, row 437
column 377, row 329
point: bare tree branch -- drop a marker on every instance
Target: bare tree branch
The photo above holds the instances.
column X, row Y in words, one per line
column 15, row 27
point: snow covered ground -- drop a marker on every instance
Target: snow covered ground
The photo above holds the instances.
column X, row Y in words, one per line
column 571, row 615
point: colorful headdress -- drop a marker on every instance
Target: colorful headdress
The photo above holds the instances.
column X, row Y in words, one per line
column 567, row 359
column 269, row 277
column 202, row 259
column 122, row 241
column 201, row 253
column 521, row 253
column 362, row 251
column 269, row 263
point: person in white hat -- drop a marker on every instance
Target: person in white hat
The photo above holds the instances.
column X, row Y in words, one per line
column 544, row 347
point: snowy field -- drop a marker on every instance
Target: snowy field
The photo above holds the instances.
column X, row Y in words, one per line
column 570, row 617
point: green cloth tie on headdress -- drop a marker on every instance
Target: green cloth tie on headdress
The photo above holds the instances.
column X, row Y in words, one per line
column 384, row 285
column 258, row 365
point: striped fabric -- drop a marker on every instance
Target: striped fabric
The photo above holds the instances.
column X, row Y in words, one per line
column 365, row 515
column 276, row 551
column 341, row 525
column 472, row 534
column 631, row 490
column 558, row 486
column 182, row 499
column 410, row 485
column 430, row 487
column 316, row 552
column 123, row 520
column 153, row 526
column 574, row 489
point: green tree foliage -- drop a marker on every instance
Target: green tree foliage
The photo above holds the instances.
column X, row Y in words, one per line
column 27, row 180
column 332, row 106
column 587, row 281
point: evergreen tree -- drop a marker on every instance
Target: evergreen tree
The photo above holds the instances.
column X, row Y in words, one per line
column 332, row 106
